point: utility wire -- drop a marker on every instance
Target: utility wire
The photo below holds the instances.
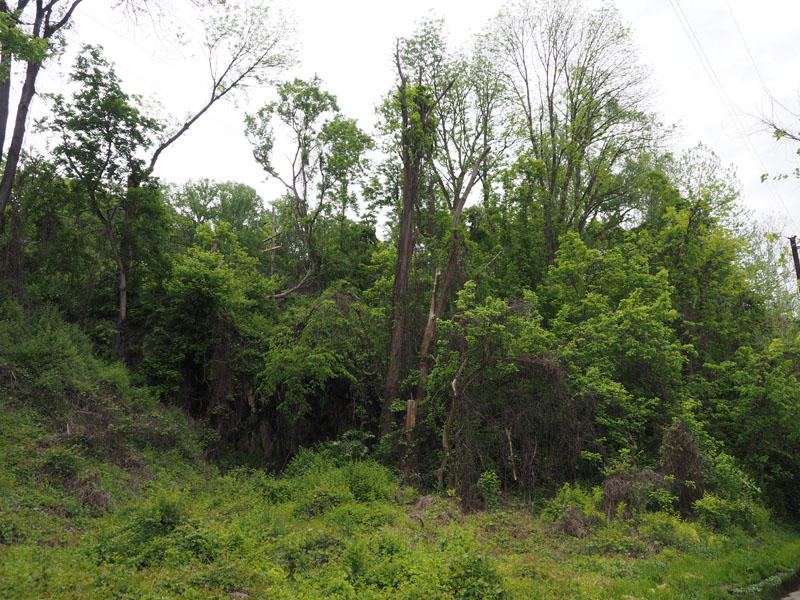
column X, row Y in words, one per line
column 725, row 99
column 747, row 47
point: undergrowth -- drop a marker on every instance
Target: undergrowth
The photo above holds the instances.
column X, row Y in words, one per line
column 105, row 493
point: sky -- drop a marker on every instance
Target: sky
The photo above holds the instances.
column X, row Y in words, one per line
column 717, row 67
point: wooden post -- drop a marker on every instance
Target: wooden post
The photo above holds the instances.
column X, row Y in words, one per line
column 411, row 414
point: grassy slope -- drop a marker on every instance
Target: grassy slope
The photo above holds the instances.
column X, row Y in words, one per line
column 105, row 494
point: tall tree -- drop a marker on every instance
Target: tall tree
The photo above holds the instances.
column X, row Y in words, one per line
column 246, row 44
column 410, row 113
column 102, row 134
column 27, row 30
column 580, row 97
column 465, row 119
column 328, row 159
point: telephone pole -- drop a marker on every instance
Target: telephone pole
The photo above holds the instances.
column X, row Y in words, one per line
column 793, row 242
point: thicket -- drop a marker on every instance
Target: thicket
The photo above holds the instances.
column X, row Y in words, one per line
column 555, row 298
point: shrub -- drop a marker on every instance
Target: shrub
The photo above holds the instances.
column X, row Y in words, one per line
column 727, row 480
column 682, row 460
column 573, row 510
column 352, row 517
column 665, row 529
column 722, row 514
column 63, row 463
column 10, row 530
column 304, row 461
column 351, row 445
column 628, row 492
column 321, row 498
column 489, row 485
column 470, row 574
column 368, row 481
column 617, row 538
column 143, row 540
column 300, row 553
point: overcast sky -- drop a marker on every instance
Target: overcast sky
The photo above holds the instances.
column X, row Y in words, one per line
column 751, row 48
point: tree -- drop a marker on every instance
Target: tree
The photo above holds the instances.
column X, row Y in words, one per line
column 27, row 32
column 580, row 100
column 102, row 133
column 329, row 158
column 410, row 115
column 206, row 201
column 465, row 119
column 442, row 118
column 246, row 43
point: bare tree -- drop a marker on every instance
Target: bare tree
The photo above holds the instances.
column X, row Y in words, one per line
column 246, row 44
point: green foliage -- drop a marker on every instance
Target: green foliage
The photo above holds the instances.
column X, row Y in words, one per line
column 599, row 310
column 574, row 510
column 328, row 480
column 667, row 530
column 62, row 463
column 722, row 514
column 617, row 538
column 489, row 485
column 102, row 129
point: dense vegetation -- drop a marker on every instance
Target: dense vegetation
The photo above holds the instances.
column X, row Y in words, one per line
column 560, row 315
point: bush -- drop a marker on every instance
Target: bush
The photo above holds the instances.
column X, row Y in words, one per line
column 727, row 480
column 321, row 498
column 300, row 553
column 368, row 481
column 617, row 538
column 470, row 574
column 629, row 492
column 63, row 463
column 682, row 460
column 325, row 482
column 351, row 445
column 51, row 362
column 664, row 529
column 352, row 517
column 489, row 485
column 143, row 540
column 573, row 510
column 722, row 514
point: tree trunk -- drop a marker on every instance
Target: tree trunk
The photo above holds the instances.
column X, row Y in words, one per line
column 15, row 149
column 5, row 94
column 122, row 279
column 405, row 248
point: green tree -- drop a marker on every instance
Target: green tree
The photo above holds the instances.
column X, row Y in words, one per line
column 102, row 133
column 579, row 98
column 329, row 161
column 206, row 201
column 27, row 32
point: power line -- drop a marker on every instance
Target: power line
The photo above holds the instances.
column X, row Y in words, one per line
column 718, row 86
column 747, row 47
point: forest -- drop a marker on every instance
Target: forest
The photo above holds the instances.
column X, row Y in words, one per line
column 511, row 292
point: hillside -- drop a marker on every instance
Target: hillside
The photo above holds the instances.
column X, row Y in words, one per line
column 107, row 494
